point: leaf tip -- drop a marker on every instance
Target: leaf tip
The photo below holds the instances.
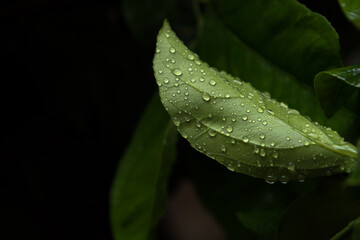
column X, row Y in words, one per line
column 166, row 25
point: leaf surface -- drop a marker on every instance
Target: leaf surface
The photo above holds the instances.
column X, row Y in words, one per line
column 138, row 193
column 335, row 86
column 351, row 8
column 240, row 127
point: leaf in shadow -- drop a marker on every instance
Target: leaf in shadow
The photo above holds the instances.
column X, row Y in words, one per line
column 226, row 194
column 321, row 213
column 345, row 231
column 354, row 178
column 263, row 223
column 356, row 230
column 351, row 9
column 283, row 33
column 230, row 42
column 138, row 194
column 334, row 87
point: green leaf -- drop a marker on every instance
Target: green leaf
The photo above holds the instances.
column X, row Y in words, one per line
column 350, row 226
column 263, row 223
column 334, row 87
column 240, row 127
column 227, row 47
column 356, row 230
column 284, row 33
column 354, row 178
column 138, row 193
column 321, row 213
column 351, row 8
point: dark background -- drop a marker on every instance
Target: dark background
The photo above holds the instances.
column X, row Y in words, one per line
column 73, row 82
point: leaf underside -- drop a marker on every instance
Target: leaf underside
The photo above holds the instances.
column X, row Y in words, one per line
column 335, row 86
column 240, row 127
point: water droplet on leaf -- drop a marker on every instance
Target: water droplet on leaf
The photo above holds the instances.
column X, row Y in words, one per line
column 176, row 121
column 191, row 57
column 229, row 129
column 212, row 133
column 212, row 82
column 172, row 50
column 177, row 72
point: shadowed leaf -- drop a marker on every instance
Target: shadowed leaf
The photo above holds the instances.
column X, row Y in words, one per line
column 351, row 9
column 334, row 87
column 321, row 213
column 263, row 223
column 138, row 193
column 347, row 229
column 354, row 178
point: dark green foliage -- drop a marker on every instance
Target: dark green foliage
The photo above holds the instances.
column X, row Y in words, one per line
column 278, row 48
column 139, row 191
column 345, row 233
column 321, row 213
column 354, row 178
column 230, row 52
column 286, row 27
column 334, row 87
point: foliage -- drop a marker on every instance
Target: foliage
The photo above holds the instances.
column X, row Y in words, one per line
column 351, row 10
column 277, row 48
column 145, row 166
column 334, row 87
column 228, row 120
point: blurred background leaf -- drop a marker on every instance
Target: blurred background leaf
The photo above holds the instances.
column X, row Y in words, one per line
column 356, row 230
column 227, row 193
column 263, row 223
column 242, row 44
column 138, row 195
column 345, row 233
column 335, row 87
column 354, row 178
column 321, row 213
column 351, row 9
column 284, row 33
